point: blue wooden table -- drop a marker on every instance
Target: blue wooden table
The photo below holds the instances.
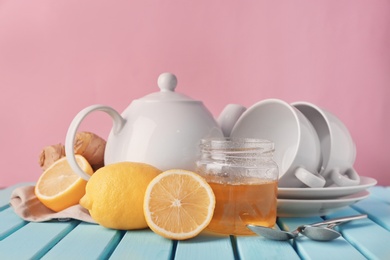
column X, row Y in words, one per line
column 362, row 239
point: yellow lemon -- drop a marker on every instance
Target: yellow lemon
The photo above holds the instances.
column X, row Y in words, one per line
column 178, row 204
column 115, row 194
column 59, row 187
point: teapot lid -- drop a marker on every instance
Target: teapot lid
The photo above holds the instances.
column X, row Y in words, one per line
column 167, row 83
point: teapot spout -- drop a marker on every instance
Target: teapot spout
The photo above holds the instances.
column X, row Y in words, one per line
column 229, row 116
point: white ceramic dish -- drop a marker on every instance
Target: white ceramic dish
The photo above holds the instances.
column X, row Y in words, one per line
column 162, row 129
column 310, row 208
column 325, row 193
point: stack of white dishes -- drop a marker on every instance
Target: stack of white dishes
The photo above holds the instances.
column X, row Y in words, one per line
column 314, row 152
column 307, row 202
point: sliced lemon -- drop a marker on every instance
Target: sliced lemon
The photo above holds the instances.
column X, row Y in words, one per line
column 178, row 204
column 59, row 187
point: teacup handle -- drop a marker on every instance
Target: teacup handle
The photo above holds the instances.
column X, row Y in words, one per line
column 349, row 178
column 313, row 180
column 72, row 130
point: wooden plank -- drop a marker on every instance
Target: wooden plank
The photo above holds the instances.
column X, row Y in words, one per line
column 143, row 244
column 377, row 210
column 310, row 249
column 381, row 193
column 9, row 222
column 205, row 246
column 86, row 241
column 33, row 240
column 257, row 247
column 365, row 235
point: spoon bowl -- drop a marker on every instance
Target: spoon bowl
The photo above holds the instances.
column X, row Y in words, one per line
column 320, row 233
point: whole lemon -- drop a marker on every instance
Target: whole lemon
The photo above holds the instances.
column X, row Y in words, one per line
column 115, row 194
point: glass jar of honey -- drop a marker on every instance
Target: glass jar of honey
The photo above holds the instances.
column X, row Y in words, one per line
column 244, row 179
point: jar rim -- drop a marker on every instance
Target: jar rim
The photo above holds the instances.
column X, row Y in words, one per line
column 237, row 143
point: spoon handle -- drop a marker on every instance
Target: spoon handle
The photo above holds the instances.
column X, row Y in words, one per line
column 339, row 220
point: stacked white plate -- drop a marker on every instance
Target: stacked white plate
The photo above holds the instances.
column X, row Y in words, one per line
column 307, row 202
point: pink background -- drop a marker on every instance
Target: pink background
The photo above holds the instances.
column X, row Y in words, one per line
column 57, row 57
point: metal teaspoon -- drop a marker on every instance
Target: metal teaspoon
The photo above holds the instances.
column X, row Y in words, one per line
column 281, row 235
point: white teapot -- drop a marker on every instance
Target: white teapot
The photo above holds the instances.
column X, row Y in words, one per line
column 162, row 129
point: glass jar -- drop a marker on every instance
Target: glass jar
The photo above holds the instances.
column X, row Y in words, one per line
column 244, row 179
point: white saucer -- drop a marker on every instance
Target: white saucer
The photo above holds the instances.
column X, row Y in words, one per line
column 310, row 208
column 325, row 193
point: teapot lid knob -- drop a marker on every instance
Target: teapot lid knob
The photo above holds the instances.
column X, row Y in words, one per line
column 167, row 82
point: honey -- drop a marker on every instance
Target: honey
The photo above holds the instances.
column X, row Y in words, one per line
column 238, row 205
column 244, row 179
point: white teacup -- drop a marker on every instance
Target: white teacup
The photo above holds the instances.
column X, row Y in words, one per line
column 229, row 116
column 337, row 147
column 297, row 147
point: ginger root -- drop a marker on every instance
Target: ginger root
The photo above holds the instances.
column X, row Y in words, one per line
column 91, row 146
column 87, row 144
column 50, row 154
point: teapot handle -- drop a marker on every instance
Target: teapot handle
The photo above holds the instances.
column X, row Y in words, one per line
column 118, row 122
